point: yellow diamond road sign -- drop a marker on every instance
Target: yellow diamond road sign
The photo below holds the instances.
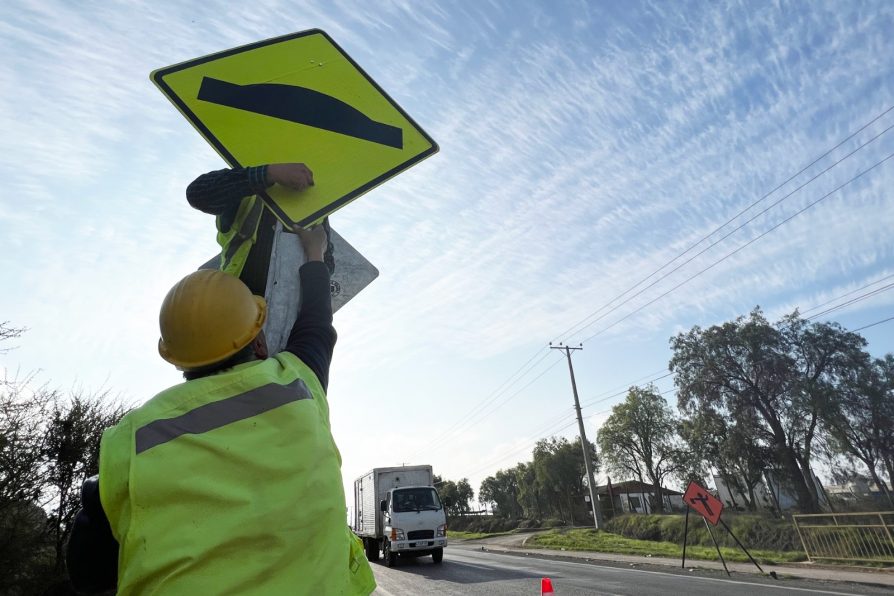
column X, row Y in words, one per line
column 298, row 98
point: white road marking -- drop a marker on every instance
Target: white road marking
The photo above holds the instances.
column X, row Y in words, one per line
column 696, row 577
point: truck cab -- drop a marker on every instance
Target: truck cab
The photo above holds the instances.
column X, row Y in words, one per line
column 415, row 523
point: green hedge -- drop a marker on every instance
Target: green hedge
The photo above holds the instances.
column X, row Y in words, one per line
column 481, row 524
column 754, row 531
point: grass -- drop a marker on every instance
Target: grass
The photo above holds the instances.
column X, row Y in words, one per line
column 467, row 535
column 604, row 542
column 474, row 535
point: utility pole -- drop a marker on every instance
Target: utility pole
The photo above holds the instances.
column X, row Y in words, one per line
column 597, row 512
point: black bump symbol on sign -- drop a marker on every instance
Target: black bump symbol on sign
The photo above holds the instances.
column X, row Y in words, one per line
column 303, row 106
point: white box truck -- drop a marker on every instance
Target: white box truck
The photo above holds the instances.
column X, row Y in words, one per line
column 397, row 511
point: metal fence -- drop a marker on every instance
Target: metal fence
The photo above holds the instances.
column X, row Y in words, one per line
column 847, row 536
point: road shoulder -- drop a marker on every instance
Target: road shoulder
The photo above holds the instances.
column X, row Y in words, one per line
column 516, row 545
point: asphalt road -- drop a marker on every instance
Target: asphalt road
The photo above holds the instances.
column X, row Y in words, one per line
column 468, row 570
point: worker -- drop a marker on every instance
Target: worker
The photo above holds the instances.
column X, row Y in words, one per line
column 245, row 226
column 230, row 482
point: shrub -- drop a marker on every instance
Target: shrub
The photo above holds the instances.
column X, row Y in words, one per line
column 754, row 531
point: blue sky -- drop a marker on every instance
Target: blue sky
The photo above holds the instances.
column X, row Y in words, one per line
column 583, row 146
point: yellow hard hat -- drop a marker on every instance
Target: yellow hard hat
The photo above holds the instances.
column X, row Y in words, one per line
column 207, row 317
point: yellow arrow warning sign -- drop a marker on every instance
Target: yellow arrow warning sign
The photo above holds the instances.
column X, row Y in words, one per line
column 298, row 98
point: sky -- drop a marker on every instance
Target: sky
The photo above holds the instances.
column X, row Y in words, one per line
column 583, row 146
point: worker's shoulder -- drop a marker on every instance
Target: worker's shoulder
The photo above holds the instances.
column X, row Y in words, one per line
column 151, row 409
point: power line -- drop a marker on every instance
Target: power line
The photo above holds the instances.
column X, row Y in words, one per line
column 622, row 391
column 493, row 395
column 649, row 377
column 479, row 411
column 854, row 300
column 736, row 216
column 528, row 384
column 728, row 234
column 514, row 452
column 873, row 324
column 878, row 281
column 742, row 247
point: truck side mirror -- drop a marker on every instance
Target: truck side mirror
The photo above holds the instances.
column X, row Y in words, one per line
column 383, row 505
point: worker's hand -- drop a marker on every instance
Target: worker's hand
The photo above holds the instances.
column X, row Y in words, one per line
column 314, row 242
column 296, row 176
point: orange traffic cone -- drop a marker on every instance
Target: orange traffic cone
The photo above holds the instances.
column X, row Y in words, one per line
column 546, row 587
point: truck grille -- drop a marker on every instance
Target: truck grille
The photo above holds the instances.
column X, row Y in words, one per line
column 420, row 534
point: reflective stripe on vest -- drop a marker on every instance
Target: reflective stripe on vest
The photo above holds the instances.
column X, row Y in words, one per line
column 237, row 241
column 220, row 413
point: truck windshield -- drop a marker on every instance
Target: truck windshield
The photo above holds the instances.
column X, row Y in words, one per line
column 416, row 499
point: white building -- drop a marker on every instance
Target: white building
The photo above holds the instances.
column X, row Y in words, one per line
column 632, row 496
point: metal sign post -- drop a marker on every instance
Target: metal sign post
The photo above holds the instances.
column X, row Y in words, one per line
column 710, row 507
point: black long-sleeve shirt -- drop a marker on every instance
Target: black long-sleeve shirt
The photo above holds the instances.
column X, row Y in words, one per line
column 313, row 337
column 92, row 553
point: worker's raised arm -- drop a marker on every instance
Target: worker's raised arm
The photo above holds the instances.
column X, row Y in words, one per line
column 313, row 337
column 220, row 192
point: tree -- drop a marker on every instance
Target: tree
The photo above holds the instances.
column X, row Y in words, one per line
column 729, row 448
column 825, row 355
column 501, row 491
column 772, row 381
column 550, row 485
column 23, row 415
column 559, row 470
column 71, row 455
column 530, row 493
column 8, row 332
column 860, row 422
column 464, row 496
column 885, row 370
column 455, row 496
column 639, row 438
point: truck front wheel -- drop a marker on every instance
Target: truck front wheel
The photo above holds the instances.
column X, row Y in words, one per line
column 437, row 555
column 389, row 557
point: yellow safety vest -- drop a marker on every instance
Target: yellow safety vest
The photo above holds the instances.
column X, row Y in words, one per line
column 231, row 484
column 236, row 242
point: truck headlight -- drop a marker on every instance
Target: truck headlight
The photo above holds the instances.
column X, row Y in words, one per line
column 442, row 531
column 397, row 534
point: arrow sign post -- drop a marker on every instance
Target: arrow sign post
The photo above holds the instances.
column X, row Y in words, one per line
column 710, row 508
